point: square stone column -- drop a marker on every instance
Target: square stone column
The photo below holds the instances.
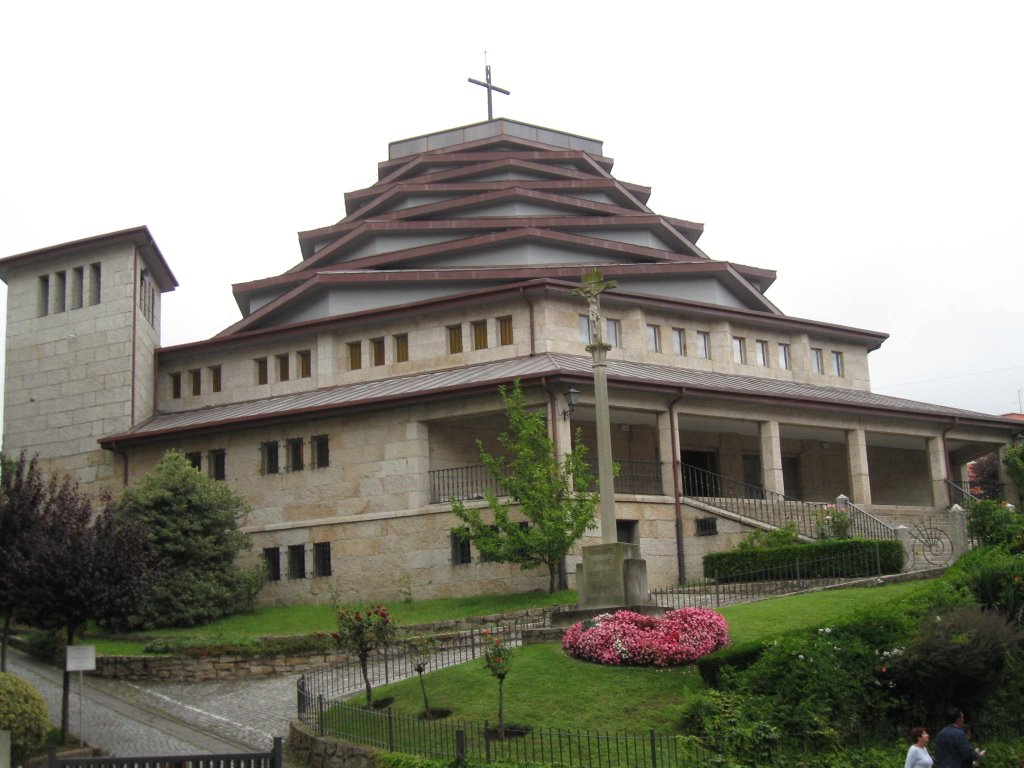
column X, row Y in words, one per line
column 857, row 458
column 937, row 471
column 771, row 456
column 611, row 576
column 667, row 422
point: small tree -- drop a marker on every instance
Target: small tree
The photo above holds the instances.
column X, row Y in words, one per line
column 553, row 496
column 21, row 493
column 192, row 522
column 498, row 661
column 1014, row 463
column 362, row 632
column 78, row 570
column 422, row 649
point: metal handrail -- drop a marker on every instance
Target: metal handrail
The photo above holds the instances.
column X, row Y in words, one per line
column 958, row 494
column 775, row 509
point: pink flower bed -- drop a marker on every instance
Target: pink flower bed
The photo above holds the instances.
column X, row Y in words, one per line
column 627, row 638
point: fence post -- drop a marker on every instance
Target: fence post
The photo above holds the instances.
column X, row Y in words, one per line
column 277, row 754
column 391, row 731
column 878, row 558
column 487, row 743
column 460, row 746
column 320, row 714
column 798, row 570
column 654, row 750
column 718, row 599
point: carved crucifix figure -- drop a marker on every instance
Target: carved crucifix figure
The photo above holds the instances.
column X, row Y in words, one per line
column 593, row 286
column 490, row 88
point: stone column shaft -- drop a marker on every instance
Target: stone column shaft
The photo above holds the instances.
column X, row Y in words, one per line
column 857, row 458
column 771, row 456
column 937, row 471
column 666, row 451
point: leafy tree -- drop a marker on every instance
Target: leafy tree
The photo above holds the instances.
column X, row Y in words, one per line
column 362, row 632
column 421, row 650
column 78, row 570
column 1014, row 462
column 21, row 492
column 192, row 524
column 984, row 477
column 552, row 495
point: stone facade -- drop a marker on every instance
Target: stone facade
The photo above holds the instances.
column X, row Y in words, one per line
column 346, row 404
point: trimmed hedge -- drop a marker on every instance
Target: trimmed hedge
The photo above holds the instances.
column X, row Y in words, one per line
column 204, row 646
column 822, row 559
column 738, row 657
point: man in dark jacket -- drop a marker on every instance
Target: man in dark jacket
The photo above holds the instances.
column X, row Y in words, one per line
column 952, row 747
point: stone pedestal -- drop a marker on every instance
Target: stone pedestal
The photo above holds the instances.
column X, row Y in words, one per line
column 611, row 576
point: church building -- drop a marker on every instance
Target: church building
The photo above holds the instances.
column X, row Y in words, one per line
column 346, row 402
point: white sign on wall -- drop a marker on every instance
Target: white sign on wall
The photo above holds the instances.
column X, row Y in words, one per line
column 80, row 658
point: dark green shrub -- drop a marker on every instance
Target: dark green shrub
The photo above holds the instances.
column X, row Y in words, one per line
column 775, row 537
column 737, row 657
column 823, row 559
column 319, row 642
column 994, row 523
column 23, row 713
column 994, row 577
column 46, row 645
column 959, row 658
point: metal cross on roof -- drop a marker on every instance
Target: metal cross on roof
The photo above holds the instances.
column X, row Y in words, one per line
column 489, row 87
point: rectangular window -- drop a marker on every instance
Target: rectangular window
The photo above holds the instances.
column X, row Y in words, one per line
column 837, row 363
column 322, row 558
column 262, row 374
column 460, row 549
column 679, row 341
column 614, row 333
column 272, row 557
column 60, row 288
column 296, row 462
column 817, row 360
column 43, row 298
column 217, row 462
column 305, row 358
column 784, row 356
column 320, row 452
column 196, row 377
column 401, row 341
column 283, row 374
column 94, row 283
column 297, row 561
column 479, row 328
column 762, row 352
column 269, row 462
column 585, row 336
column 653, row 338
column 707, row 526
column 195, row 459
column 77, row 287
column 704, row 345
column 176, row 386
column 739, row 350
column 627, row 531
column 355, row 355
column 454, row 339
column 504, row 331
column 215, row 378
column 147, row 296
column 377, row 350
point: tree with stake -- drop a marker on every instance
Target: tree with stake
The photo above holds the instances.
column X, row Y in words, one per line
column 552, row 495
column 498, row 661
column 421, row 649
column 361, row 633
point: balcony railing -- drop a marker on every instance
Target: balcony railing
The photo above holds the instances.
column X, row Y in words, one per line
column 467, row 483
column 811, row 519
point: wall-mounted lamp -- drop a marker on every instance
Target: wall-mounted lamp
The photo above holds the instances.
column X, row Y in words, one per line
column 572, row 397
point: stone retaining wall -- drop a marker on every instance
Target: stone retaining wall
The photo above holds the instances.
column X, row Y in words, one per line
column 324, row 751
column 195, row 669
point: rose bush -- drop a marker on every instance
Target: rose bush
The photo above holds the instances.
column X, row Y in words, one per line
column 628, row 638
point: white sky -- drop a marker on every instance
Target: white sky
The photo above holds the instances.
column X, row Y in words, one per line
column 870, row 152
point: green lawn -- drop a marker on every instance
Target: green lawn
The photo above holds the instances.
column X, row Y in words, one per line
column 546, row 688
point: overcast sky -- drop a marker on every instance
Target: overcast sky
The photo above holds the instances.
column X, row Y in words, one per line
column 870, row 152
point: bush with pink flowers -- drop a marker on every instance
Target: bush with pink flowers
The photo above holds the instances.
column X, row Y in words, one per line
column 628, row 638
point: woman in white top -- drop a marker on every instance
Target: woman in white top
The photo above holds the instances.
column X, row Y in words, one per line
column 917, row 755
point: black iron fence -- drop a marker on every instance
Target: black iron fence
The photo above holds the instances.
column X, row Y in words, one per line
column 272, row 759
column 455, row 741
column 462, row 483
column 812, row 519
column 639, row 477
column 323, row 687
column 745, row 587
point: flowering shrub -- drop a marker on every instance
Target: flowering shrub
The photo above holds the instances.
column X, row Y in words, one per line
column 360, row 633
column 497, row 655
column 627, row 638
